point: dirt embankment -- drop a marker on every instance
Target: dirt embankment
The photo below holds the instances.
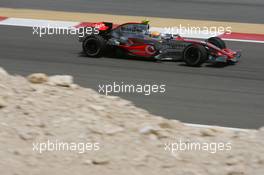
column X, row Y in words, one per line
column 119, row 138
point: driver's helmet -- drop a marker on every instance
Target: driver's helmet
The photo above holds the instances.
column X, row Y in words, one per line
column 155, row 34
column 145, row 22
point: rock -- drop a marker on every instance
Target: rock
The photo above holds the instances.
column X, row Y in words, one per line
column 16, row 152
column 208, row 132
column 148, row 130
column 97, row 107
column 26, row 135
column 3, row 72
column 61, row 80
column 234, row 160
column 112, row 97
column 88, row 162
column 114, row 135
column 37, row 78
column 74, row 86
column 142, row 157
column 165, row 125
column 3, row 102
column 108, row 129
column 113, row 130
column 261, row 129
column 100, row 161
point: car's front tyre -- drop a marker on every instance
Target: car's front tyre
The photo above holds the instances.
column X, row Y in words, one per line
column 218, row 42
column 194, row 55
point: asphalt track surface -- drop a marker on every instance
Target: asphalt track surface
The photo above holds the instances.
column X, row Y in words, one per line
column 250, row 11
column 231, row 96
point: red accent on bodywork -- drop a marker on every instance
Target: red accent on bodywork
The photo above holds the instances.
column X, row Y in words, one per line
column 3, row 18
column 84, row 24
column 230, row 53
column 100, row 25
column 219, row 52
column 139, row 50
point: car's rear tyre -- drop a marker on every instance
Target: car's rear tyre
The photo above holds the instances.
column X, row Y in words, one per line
column 194, row 55
column 218, row 42
column 94, row 46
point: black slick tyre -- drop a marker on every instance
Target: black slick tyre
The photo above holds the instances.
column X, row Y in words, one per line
column 218, row 42
column 194, row 55
column 94, row 46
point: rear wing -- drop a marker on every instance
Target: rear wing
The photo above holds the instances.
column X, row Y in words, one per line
column 109, row 25
column 103, row 27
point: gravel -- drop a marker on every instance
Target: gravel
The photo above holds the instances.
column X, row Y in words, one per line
column 119, row 137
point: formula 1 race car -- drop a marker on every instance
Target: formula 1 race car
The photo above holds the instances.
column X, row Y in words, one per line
column 135, row 39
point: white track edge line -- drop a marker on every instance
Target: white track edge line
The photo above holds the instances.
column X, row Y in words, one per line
column 67, row 23
column 215, row 126
column 242, row 40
